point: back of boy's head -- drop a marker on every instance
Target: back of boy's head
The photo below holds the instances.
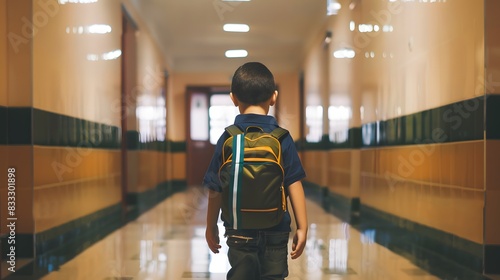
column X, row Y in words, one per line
column 253, row 83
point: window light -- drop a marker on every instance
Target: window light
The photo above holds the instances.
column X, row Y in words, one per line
column 332, row 7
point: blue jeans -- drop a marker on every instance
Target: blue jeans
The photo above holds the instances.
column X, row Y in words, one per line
column 257, row 255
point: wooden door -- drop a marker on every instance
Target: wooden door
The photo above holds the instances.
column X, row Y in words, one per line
column 199, row 149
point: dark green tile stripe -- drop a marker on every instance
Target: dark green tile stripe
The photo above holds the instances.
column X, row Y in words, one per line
column 111, row 216
column 492, row 259
column 493, row 117
column 19, row 122
column 159, row 146
column 25, row 248
column 134, row 144
column 345, row 208
column 57, row 237
column 31, row 126
column 430, row 241
column 29, row 247
column 3, row 125
column 352, row 141
column 133, row 140
column 303, row 145
column 460, row 121
column 139, row 203
column 178, row 146
column 51, row 129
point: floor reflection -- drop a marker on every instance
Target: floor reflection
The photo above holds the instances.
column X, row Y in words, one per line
column 168, row 242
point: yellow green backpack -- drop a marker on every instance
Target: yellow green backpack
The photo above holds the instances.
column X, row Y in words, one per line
column 253, row 195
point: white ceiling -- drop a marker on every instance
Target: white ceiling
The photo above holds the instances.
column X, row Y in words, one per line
column 190, row 33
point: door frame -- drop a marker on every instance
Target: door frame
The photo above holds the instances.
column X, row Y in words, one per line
column 128, row 46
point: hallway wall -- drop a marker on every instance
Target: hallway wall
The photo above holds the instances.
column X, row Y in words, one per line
column 14, row 147
column 492, row 143
column 3, row 54
column 435, row 63
column 77, row 117
column 4, row 162
column 403, row 119
column 62, row 89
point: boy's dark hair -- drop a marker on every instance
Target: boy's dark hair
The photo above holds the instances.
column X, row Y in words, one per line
column 253, row 83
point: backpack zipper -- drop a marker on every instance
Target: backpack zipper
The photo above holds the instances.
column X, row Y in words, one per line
column 259, row 210
column 283, row 199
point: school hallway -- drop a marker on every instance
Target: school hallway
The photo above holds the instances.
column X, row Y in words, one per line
column 167, row 242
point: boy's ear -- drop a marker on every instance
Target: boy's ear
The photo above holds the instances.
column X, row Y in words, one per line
column 234, row 99
column 274, row 98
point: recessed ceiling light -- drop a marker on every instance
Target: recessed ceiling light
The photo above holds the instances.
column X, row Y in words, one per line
column 236, row 53
column 344, row 53
column 234, row 27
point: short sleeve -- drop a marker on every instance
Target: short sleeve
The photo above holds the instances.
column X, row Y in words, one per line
column 291, row 162
column 211, row 179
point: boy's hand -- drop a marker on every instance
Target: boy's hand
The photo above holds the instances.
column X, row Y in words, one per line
column 212, row 237
column 299, row 243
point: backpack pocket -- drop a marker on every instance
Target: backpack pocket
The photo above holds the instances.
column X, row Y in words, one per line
column 257, row 201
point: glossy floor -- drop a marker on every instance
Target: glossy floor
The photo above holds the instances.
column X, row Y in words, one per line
column 168, row 242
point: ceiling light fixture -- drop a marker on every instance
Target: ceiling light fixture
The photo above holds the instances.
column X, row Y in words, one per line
column 344, row 53
column 235, row 27
column 63, row 2
column 236, row 53
column 98, row 29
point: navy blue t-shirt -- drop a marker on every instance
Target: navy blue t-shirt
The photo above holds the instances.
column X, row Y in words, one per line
column 291, row 161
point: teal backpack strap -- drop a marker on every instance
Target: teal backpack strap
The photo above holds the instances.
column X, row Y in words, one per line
column 233, row 130
column 279, row 132
column 236, row 175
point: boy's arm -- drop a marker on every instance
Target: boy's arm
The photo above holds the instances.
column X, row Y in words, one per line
column 212, row 230
column 297, row 198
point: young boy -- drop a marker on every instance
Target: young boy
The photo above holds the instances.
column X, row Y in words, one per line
column 258, row 254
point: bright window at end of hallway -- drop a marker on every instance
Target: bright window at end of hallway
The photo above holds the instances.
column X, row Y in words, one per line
column 199, row 117
column 314, row 123
column 222, row 113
